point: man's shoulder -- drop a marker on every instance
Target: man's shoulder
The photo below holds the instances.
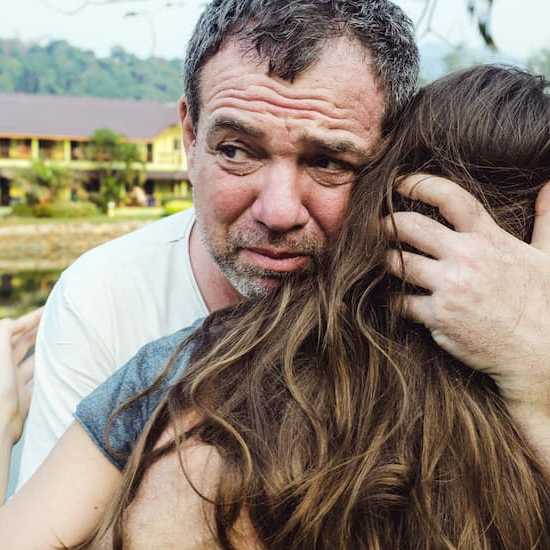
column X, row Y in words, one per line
column 147, row 249
column 132, row 290
column 152, row 237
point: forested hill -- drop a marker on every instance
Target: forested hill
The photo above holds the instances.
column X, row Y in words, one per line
column 61, row 69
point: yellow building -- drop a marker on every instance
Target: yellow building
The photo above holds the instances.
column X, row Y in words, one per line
column 56, row 129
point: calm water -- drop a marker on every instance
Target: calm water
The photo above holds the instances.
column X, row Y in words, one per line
column 24, row 291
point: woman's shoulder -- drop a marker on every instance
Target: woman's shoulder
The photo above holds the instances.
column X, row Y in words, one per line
column 95, row 412
column 156, row 353
column 169, row 498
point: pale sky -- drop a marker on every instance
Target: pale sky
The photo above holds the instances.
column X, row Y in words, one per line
column 164, row 26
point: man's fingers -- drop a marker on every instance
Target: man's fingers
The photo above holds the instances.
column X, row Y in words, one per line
column 25, row 397
column 25, row 370
column 463, row 211
column 541, row 229
column 418, row 309
column 28, row 322
column 22, row 345
column 23, row 334
column 421, row 232
column 414, row 268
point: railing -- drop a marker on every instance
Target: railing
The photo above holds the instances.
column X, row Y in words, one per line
column 170, row 157
column 74, row 154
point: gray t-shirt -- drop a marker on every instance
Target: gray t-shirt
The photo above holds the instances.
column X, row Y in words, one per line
column 139, row 373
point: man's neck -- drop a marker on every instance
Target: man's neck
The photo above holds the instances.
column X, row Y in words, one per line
column 215, row 289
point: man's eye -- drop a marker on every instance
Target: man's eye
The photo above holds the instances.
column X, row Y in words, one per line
column 327, row 163
column 330, row 172
column 232, row 152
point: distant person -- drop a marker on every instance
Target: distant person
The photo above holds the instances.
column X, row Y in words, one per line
column 284, row 105
column 137, row 197
column 316, row 417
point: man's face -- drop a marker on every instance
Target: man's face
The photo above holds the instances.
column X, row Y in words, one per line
column 272, row 162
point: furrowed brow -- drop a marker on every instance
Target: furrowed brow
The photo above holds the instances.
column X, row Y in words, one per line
column 237, row 126
column 337, row 147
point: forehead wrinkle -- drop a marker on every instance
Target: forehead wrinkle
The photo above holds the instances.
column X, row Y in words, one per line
column 236, row 121
column 301, row 102
column 266, row 108
column 225, row 122
column 272, row 86
column 308, row 102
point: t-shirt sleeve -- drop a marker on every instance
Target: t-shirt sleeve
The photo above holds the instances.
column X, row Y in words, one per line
column 93, row 412
column 71, row 359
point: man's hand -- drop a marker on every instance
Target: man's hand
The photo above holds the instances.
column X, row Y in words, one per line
column 490, row 292
column 16, row 371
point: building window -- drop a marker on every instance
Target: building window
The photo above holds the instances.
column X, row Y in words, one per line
column 177, row 145
column 4, row 148
column 5, row 198
column 45, row 149
column 92, row 185
column 78, row 150
column 149, row 152
column 20, row 149
column 49, row 149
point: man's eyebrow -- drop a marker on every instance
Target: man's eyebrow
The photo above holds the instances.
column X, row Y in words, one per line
column 238, row 126
column 336, row 146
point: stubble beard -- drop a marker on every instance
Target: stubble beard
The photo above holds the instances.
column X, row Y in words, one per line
column 252, row 281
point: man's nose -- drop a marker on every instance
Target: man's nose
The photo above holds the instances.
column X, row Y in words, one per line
column 280, row 201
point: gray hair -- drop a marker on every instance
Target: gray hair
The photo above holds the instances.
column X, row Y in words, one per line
column 291, row 35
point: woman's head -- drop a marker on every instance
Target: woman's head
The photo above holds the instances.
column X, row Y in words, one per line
column 485, row 128
column 341, row 425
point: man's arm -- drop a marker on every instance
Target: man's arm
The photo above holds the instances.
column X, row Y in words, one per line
column 489, row 302
column 71, row 360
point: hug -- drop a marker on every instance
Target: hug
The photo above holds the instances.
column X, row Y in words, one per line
column 364, row 282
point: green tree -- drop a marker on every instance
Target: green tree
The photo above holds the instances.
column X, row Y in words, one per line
column 44, row 183
column 120, row 166
column 61, row 69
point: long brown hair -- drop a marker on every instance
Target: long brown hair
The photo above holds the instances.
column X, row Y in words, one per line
column 343, row 426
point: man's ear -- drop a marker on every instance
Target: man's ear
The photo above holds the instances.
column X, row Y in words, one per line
column 187, row 128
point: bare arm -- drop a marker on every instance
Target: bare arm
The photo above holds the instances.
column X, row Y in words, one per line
column 534, row 423
column 71, row 361
column 64, row 500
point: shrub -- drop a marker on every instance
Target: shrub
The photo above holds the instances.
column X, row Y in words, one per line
column 98, row 200
column 65, row 210
column 23, row 210
column 163, row 199
column 174, row 206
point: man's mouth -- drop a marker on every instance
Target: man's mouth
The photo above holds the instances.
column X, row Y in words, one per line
column 276, row 260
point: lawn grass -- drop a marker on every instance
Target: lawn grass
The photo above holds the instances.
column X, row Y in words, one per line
column 120, row 215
